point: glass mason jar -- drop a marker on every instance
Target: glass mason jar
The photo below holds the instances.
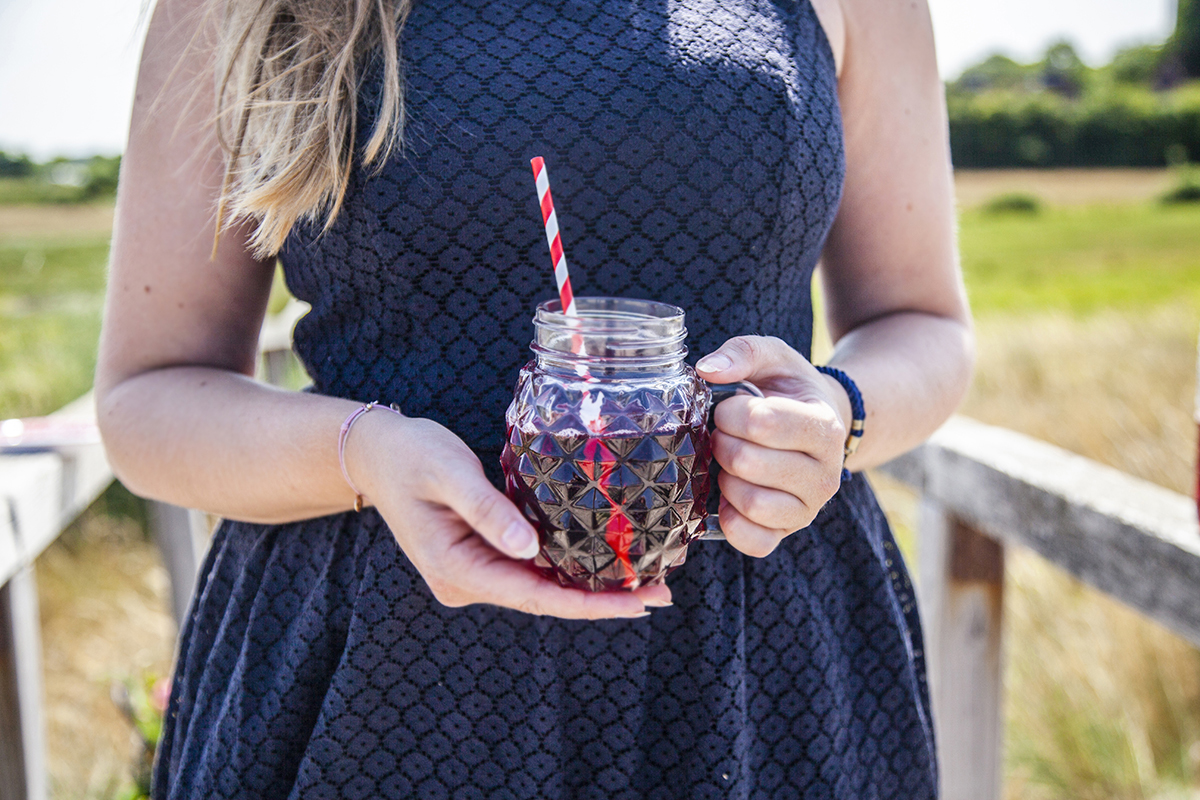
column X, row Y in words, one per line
column 608, row 450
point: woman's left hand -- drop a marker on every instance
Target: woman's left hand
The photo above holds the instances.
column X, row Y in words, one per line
column 780, row 455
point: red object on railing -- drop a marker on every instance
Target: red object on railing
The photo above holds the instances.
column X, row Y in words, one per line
column 37, row 434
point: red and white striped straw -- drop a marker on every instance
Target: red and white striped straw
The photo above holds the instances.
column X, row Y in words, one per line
column 553, row 238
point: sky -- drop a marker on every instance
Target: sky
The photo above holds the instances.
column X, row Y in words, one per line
column 67, row 67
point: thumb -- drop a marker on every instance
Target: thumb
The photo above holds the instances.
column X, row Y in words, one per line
column 490, row 514
column 757, row 359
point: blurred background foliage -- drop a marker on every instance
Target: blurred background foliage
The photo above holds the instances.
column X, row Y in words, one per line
column 60, row 180
column 1142, row 109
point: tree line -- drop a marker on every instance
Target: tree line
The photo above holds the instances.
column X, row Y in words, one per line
column 1142, row 109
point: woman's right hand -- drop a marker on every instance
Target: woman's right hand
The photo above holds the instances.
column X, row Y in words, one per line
column 466, row 539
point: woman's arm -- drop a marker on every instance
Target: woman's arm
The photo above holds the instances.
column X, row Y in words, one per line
column 181, row 417
column 183, row 420
column 895, row 300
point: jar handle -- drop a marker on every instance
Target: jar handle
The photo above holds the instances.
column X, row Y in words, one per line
column 711, row 532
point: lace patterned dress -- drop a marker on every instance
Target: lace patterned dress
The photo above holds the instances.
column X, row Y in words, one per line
column 695, row 149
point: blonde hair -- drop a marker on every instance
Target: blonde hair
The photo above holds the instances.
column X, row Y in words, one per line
column 288, row 76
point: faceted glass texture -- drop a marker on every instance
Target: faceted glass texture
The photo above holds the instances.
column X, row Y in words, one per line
column 613, row 474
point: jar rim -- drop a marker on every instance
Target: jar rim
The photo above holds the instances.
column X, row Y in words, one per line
column 628, row 329
column 606, row 313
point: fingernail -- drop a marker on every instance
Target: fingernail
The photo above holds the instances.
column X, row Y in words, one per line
column 639, row 615
column 520, row 541
column 717, row 362
column 658, row 603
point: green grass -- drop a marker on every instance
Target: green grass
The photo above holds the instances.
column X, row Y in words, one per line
column 1079, row 260
column 51, row 297
column 46, row 360
column 1082, row 260
column 32, row 191
column 51, row 293
column 44, row 268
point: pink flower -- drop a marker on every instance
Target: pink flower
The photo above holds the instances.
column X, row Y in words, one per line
column 160, row 694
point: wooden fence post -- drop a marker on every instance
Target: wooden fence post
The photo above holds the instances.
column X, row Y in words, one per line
column 182, row 536
column 22, row 728
column 961, row 586
column 275, row 365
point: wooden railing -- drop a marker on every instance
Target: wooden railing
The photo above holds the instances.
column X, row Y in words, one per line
column 41, row 495
column 982, row 489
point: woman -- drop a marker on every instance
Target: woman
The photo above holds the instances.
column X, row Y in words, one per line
column 703, row 154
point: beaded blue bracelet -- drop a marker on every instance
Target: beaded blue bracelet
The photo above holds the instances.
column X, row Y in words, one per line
column 858, row 414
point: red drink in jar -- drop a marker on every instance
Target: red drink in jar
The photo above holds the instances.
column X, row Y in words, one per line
column 608, row 449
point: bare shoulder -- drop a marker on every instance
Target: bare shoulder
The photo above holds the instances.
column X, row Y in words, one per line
column 884, row 28
column 829, row 14
column 171, row 300
column 181, row 27
column 892, row 247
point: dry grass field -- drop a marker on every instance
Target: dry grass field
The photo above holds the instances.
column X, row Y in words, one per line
column 1100, row 703
column 1062, row 187
column 105, row 605
column 18, row 222
column 1092, row 348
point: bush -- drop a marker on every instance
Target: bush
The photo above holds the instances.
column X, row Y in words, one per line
column 1139, row 65
column 1122, row 126
column 1013, row 203
column 15, row 166
column 101, row 180
column 1184, row 193
column 1186, row 190
column 60, row 181
column 995, row 72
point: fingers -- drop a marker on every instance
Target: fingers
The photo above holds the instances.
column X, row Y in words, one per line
column 463, row 535
column 657, row 596
column 758, row 359
column 478, row 574
column 782, row 423
column 782, row 454
column 769, row 508
column 777, row 369
column 798, row 474
column 467, row 492
column 767, row 494
column 747, row 536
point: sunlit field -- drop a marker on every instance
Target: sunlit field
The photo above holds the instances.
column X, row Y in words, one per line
column 1087, row 317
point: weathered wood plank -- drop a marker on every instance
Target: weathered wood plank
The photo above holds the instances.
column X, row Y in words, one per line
column 1129, row 538
column 275, row 364
column 12, row 743
column 22, row 727
column 40, row 494
column 86, row 472
column 182, row 536
column 961, row 594
column 10, row 552
column 46, row 491
column 31, row 488
column 276, row 332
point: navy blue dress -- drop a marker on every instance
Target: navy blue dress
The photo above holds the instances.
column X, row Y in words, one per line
column 695, row 152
